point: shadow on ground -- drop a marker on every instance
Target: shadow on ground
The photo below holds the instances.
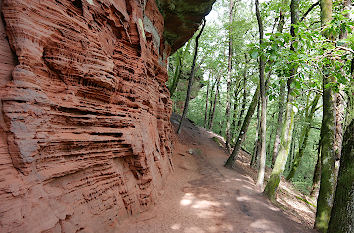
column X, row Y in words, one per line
column 203, row 196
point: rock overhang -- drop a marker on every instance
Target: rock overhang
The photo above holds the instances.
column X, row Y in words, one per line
column 182, row 18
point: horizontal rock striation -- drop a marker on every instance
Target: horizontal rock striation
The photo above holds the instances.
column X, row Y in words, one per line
column 84, row 122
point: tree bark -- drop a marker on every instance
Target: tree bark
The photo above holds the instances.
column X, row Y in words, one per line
column 211, row 103
column 279, row 122
column 292, row 149
column 256, row 151
column 342, row 216
column 206, row 102
column 234, row 129
column 261, row 170
column 327, row 185
column 177, row 74
column 229, row 69
column 190, row 82
column 244, row 100
column 269, row 146
column 317, row 172
column 288, row 125
column 214, row 104
column 235, row 118
column 230, row 163
column 304, row 137
column 281, row 95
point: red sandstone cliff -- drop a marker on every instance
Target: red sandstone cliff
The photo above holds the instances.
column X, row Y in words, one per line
column 84, row 121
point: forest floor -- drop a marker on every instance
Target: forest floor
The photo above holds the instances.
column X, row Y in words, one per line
column 203, row 196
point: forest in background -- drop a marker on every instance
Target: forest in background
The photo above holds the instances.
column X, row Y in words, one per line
column 270, row 75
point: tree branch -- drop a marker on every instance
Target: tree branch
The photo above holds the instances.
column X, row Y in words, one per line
column 309, row 10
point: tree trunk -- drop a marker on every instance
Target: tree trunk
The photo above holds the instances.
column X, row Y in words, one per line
column 325, row 197
column 257, row 147
column 270, row 140
column 279, row 166
column 235, row 118
column 190, row 82
column 214, row 104
column 339, row 104
column 304, row 137
column 177, row 74
column 257, row 140
column 234, row 129
column 342, row 217
column 244, row 100
column 327, row 185
column 206, row 102
column 229, row 69
column 281, row 95
column 279, row 122
column 230, row 163
column 211, row 102
column 292, row 149
column 317, row 172
column 288, row 125
column 263, row 124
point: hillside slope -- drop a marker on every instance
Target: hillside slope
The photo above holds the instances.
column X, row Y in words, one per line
column 203, row 196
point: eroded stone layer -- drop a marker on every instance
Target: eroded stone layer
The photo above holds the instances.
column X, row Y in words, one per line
column 85, row 132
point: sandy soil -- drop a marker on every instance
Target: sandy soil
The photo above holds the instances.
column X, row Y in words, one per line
column 203, row 196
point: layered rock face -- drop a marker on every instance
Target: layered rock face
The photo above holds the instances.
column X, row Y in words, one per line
column 84, row 121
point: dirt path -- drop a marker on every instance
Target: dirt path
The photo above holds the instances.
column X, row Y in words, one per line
column 202, row 196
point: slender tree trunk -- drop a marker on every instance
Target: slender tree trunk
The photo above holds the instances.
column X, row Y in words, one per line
column 261, row 170
column 221, row 121
column 244, row 100
column 257, row 147
column 230, row 163
column 229, row 69
column 270, row 141
column 234, row 118
column 292, row 149
column 234, row 129
column 342, row 216
column 190, row 82
column 206, row 102
column 177, row 74
column 288, row 125
column 279, row 122
column 256, row 151
column 214, row 104
column 304, row 137
column 211, row 102
column 327, row 185
column 317, row 172
column 281, row 95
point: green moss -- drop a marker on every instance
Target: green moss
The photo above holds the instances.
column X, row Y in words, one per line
column 325, row 197
column 279, row 166
column 272, row 186
column 306, row 201
column 342, row 214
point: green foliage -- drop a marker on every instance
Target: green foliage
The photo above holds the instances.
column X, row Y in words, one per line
column 311, row 54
